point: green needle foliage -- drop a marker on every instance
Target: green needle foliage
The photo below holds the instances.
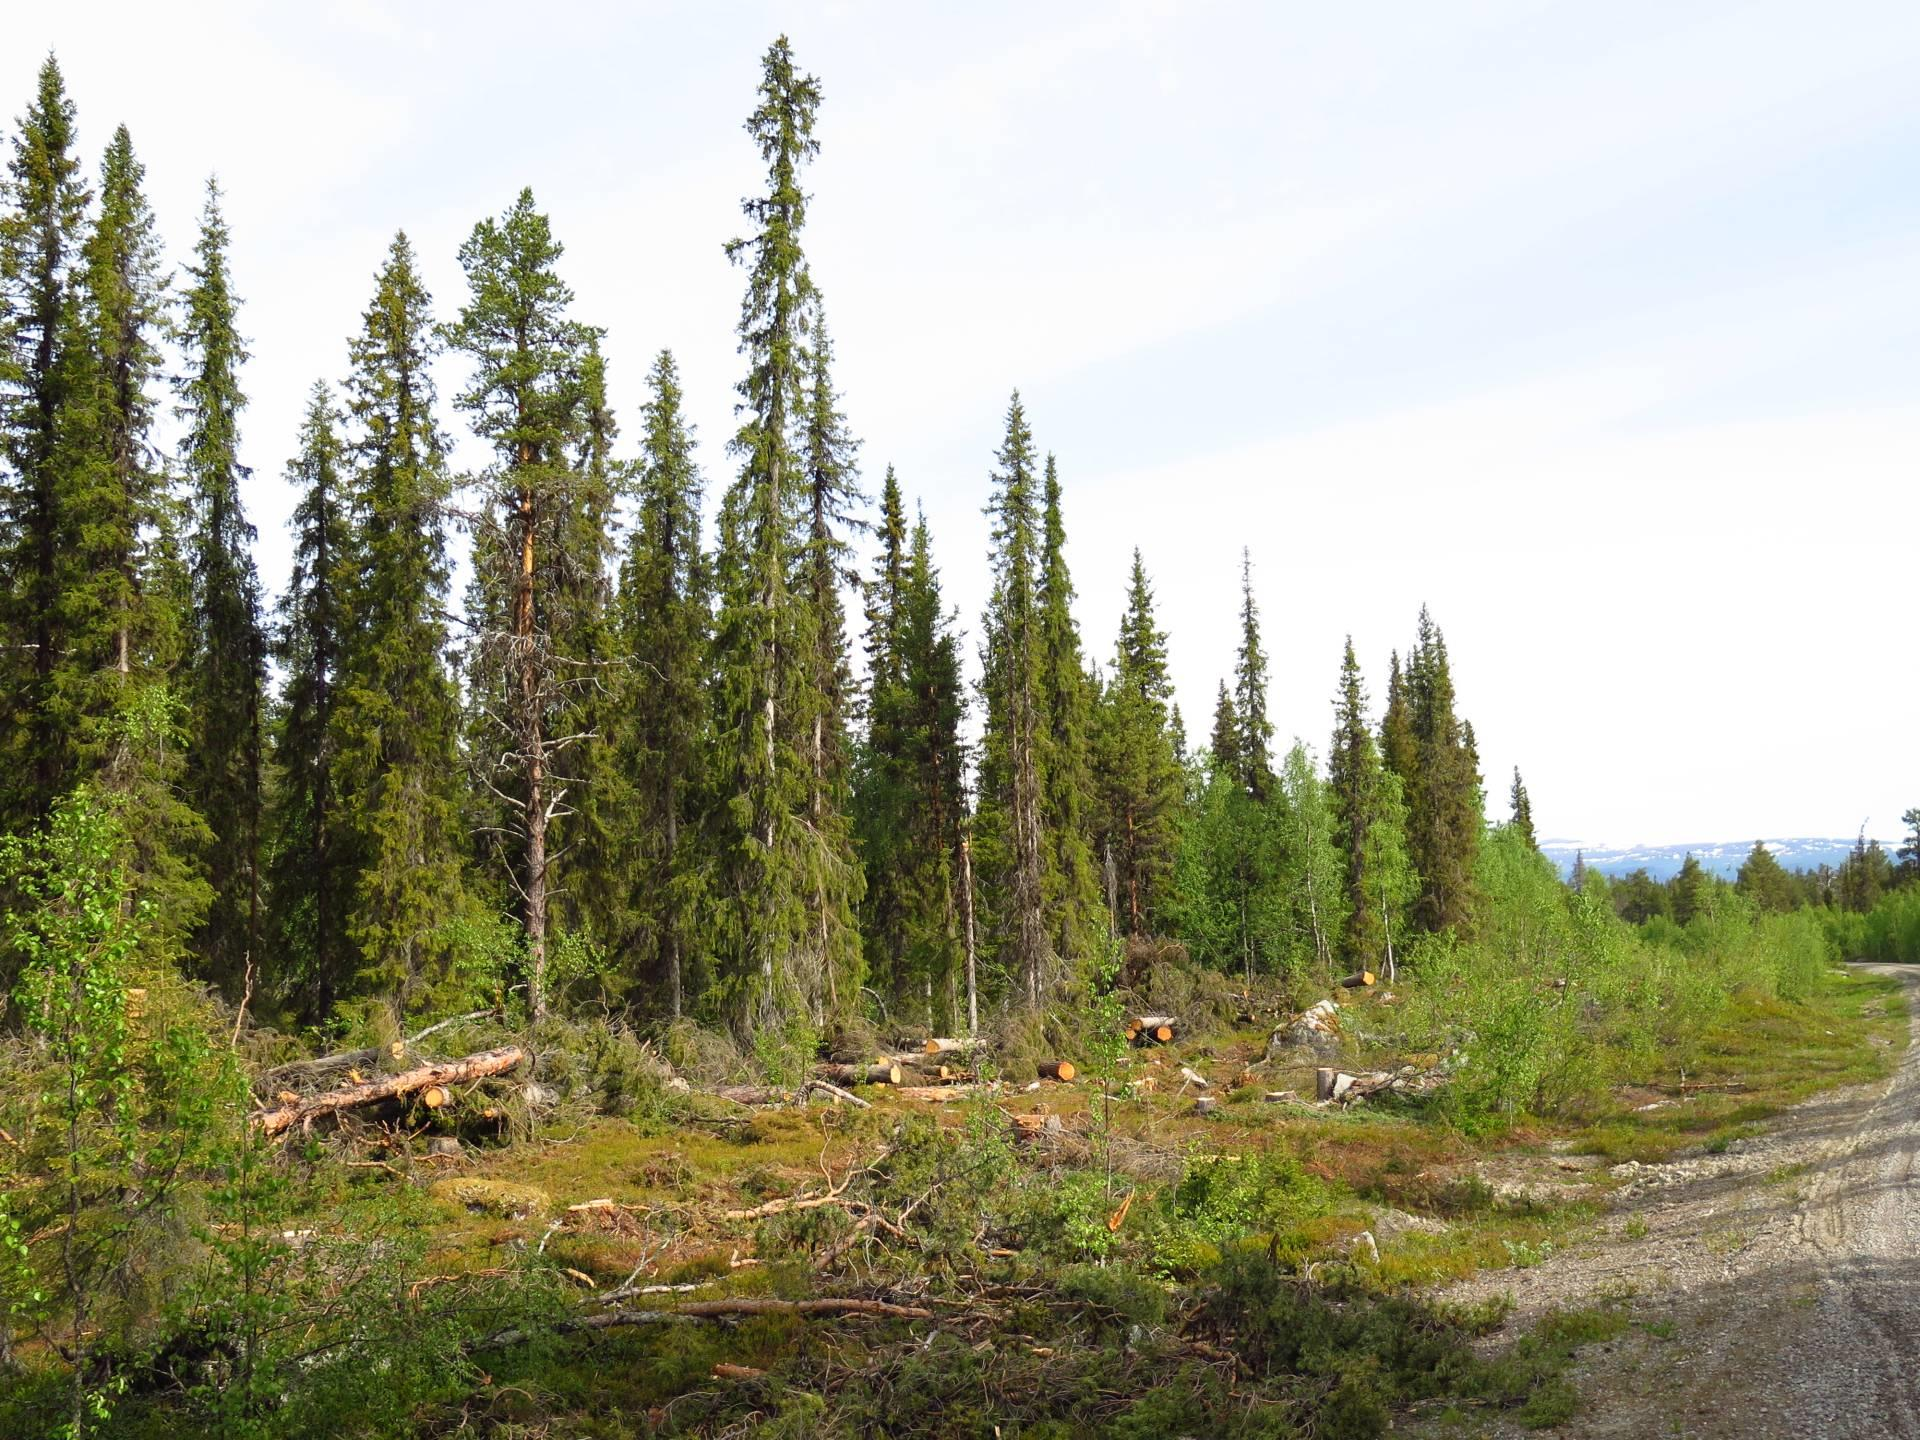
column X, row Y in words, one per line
column 535, row 557
column 1137, row 773
column 309, row 864
column 665, row 629
column 226, row 668
column 788, row 948
column 40, row 237
column 397, row 718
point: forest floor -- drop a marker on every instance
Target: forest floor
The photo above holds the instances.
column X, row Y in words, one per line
column 1769, row 1285
column 1717, row 1255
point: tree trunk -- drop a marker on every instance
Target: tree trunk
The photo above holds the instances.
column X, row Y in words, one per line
column 973, row 983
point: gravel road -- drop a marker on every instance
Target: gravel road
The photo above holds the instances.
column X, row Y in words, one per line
column 1776, row 1287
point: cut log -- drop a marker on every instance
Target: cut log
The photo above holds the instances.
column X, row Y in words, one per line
column 1323, row 1082
column 454, row 1072
column 882, row 1073
column 723, row 1371
column 942, row 1045
column 1057, row 1070
column 1193, row 1076
column 1206, row 1105
column 1359, row 980
column 435, row 1096
column 940, row 1092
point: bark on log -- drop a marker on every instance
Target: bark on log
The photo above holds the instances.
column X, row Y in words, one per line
column 939, row 1092
column 1359, row 980
column 884, row 1073
column 1057, row 1070
column 454, row 1072
column 942, row 1045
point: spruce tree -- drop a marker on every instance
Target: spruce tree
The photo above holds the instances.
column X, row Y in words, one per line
column 665, row 626
column 788, row 942
column 1522, row 821
column 1138, row 777
column 1255, row 736
column 1013, row 841
column 1399, row 749
column 883, row 793
column 227, row 662
column 1577, row 881
column 528, row 398
column 1077, row 918
column 910, row 804
column 1764, row 881
column 1443, row 790
column 1225, row 748
column 398, row 716
column 309, row 871
column 118, row 631
column 1355, row 778
column 40, row 236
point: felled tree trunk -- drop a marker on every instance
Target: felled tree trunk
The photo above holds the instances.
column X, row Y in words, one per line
column 393, row 1087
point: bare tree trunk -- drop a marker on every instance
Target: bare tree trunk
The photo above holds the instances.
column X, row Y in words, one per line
column 966, row 891
column 533, row 746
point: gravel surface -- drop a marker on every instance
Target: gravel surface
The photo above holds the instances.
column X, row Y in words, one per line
column 1776, row 1287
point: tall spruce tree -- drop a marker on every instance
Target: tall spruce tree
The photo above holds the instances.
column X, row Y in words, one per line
column 1443, row 791
column 910, row 804
column 309, row 869
column 1255, row 737
column 1078, row 919
column 397, row 724
column 788, row 940
column 40, row 237
column 1355, row 777
column 665, row 632
column 1138, row 779
column 529, row 397
column 227, row 663
column 1399, row 749
column 1013, row 841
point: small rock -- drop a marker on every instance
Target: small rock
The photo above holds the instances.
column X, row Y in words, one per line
column 443, row 1147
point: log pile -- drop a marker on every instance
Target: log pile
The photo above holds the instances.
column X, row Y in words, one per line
column 410, row 1083
column 1152, row 1029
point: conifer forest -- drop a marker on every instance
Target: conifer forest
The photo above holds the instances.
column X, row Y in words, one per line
column 609, row 949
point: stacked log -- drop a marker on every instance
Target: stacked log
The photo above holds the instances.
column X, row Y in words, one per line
column 1152, row 1029
column 394, row 1087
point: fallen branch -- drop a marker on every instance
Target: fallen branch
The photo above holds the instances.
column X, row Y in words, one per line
column 822, row 1087
column 454, row 1072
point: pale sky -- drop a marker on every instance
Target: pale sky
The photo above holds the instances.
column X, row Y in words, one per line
column 1592, row 327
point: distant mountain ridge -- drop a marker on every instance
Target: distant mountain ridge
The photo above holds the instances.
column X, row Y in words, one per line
column 1720, row 857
